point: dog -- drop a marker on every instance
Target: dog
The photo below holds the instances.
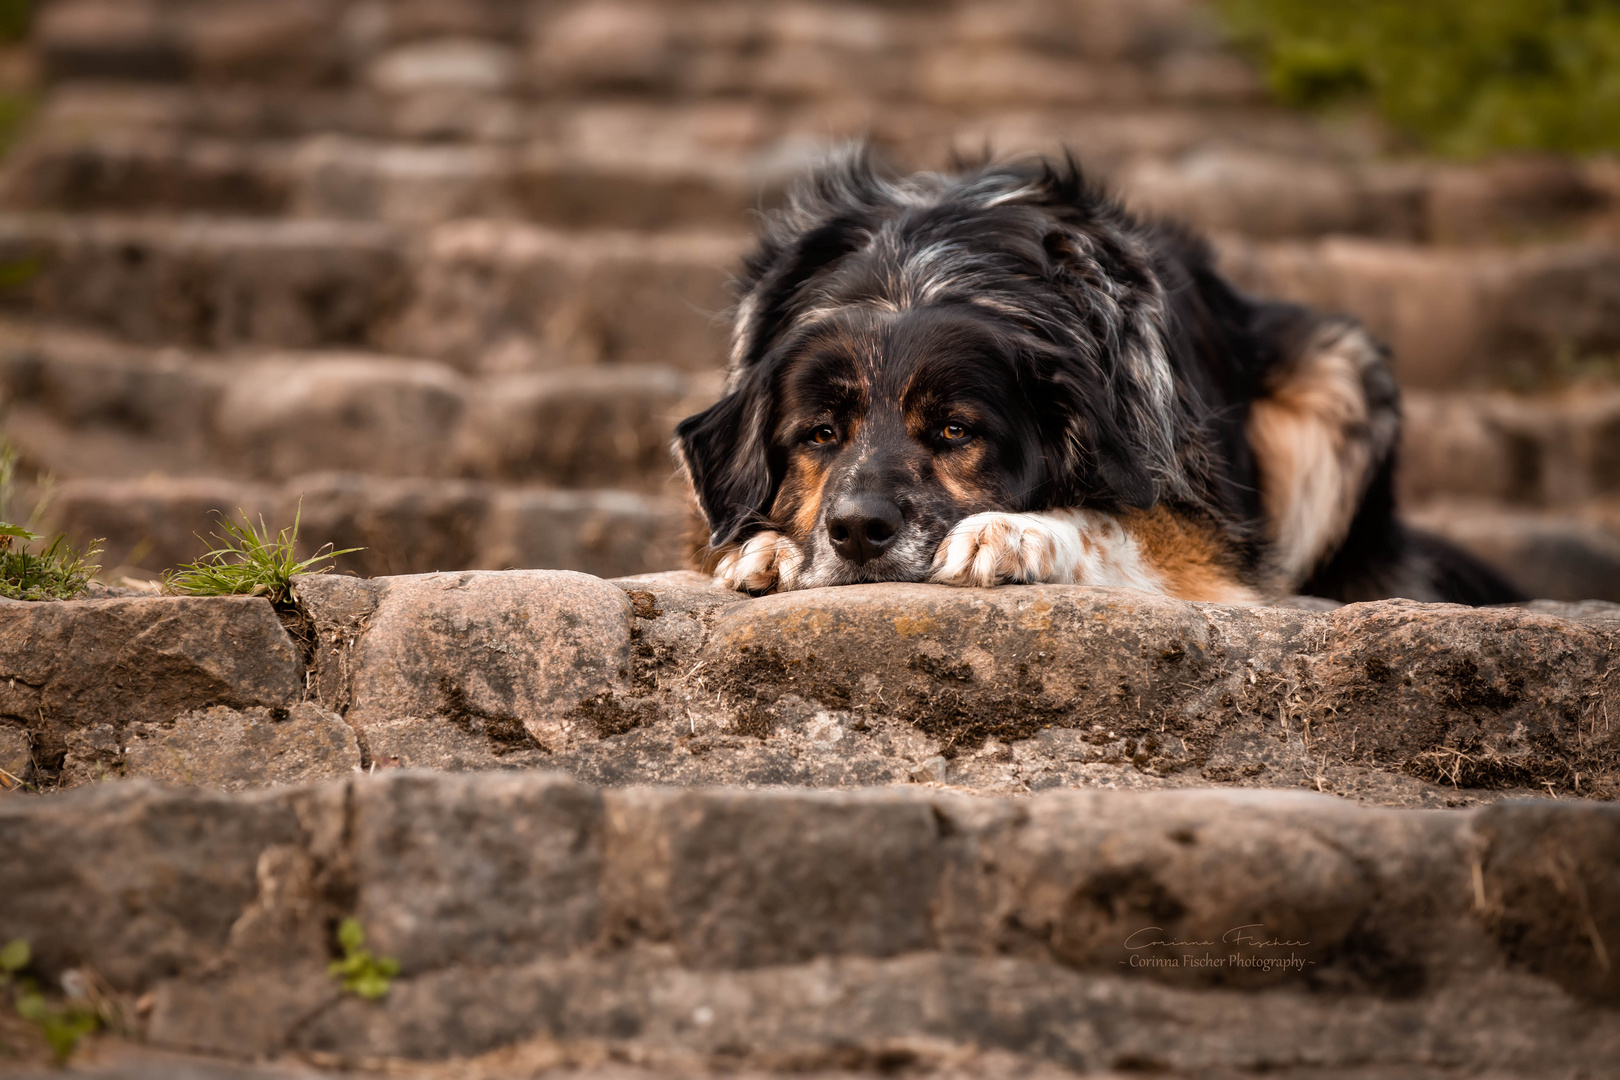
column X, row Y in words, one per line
column 999, row 375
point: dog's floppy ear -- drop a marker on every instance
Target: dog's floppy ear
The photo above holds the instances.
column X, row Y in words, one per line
column 1112, row 379
column 725, row 450
column 1093, row 457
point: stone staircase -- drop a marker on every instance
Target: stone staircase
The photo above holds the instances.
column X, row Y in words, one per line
column 449, row 272
column 1054, row 842
column 441, row 276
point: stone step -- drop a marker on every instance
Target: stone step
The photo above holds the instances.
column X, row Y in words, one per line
column 483, row 296
column 537, row 921
column 1571, row 553
column 80, row 406
column 155, row 523
column 914, row 134
column 499, row 296
column 1558, row 449
column 654, row 169
column 665, row 679
column 1454, row 317
column 1045, row 53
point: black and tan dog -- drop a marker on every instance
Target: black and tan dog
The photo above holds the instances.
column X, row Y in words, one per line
column 1001, row 376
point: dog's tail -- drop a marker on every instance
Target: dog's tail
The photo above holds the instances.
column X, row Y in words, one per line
column 1398, row 561
column 1452, row 575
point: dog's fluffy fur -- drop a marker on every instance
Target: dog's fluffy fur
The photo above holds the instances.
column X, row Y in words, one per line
column 1001, row 376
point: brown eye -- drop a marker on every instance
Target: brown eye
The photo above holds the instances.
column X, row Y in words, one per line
column 823, row 435
column 953, row 432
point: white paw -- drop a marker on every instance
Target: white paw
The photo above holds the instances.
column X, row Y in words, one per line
column 765, row 561
column 990, row 549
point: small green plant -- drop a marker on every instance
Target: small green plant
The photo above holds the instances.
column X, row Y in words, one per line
column 62, row 1025
column 1464, row 77
column 249, row 561
column 60, row 572
column 361, row 973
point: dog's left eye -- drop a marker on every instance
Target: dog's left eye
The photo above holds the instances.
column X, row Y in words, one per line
column 823, row 435
column 953, row 432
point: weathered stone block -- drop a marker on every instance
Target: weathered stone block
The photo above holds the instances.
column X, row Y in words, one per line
column 71, row 665
column 290, row 415
column 581, row 428
column 137, row 882
column 967, row 663
column 748, row 879
column 599, row 532
column 235, row 750
column 295, row 284
column 476, row 869
column 493, row 296
column 525, row 651
column 1547, row 888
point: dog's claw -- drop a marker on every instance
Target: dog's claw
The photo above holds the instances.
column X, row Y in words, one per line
column 765, row 561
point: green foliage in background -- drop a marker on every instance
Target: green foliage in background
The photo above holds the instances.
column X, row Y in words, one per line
column 249, row 561
column 15, row 108
column 14, row 18
column 1465, row 77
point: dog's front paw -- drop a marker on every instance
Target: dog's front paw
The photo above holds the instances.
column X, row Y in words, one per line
column 990, row 549
column 763, row 562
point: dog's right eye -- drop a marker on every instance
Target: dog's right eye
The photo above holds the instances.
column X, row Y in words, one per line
column 823, row 435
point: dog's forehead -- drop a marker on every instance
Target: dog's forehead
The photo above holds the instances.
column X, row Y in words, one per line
column 876, row 353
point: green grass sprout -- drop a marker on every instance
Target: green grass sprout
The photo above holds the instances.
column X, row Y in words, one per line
column 362, row 974
column 62, row 1025
column 60, row 572
column 250, row 562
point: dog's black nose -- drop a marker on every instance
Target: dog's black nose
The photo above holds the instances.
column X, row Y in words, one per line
column 861, row 527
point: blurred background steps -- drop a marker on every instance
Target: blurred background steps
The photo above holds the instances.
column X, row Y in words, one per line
column 454, row 268
column 82, row 405
column 403, row 525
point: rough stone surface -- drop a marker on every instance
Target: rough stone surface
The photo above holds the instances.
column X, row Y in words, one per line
column 16, row 757
column 137, row 882
column 477, row 869
column 826, row 930
column 501, row 297
column 236, row 749
column 665, row 679
column 88, row 669
column 529, row 654
column 1452, row 317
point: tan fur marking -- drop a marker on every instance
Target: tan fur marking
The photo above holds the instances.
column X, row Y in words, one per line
column 1188, row 555
column 1316, row 443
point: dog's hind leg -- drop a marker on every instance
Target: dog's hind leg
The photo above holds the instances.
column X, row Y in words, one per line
column 1325, row 426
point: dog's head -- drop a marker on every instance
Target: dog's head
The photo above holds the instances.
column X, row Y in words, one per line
column 907, row 353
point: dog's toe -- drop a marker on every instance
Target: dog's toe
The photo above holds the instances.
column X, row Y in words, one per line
column 993, row 549
column 764, row 561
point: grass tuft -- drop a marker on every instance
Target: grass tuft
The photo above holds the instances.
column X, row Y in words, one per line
column 60, row 572
column 250, row 562
column 62, row 1025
